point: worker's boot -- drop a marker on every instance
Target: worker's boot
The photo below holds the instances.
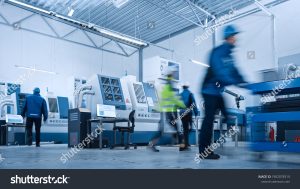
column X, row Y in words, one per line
column 211, row 156
column 182, row 147
column 152, row 147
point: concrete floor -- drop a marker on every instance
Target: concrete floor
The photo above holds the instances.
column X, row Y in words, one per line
column 48, row 157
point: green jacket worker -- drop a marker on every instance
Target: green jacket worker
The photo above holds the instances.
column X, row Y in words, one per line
column 169, row 104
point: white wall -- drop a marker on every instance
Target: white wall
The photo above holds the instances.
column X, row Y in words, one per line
column 256, row 36
column 19, row 47
column 185, row 49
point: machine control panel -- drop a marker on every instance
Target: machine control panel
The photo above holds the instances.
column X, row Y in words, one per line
column 51, row 121
column 148, row 116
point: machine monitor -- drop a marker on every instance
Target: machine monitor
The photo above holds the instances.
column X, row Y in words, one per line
column 152, row 97
column 139, row 92
column 21, row 97
column 176, row 70
column 112, row 93
column 63, row 105
column 53, row 105
column 106, row 111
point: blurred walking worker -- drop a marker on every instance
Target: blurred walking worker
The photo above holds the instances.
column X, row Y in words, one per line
column 34, row 108
column 191, row 109
column 169, row 104
column 221, row 73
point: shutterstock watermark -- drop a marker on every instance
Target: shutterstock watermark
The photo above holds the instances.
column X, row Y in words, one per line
column 77, row 148
column 212, row 29
column 30, row 179
column 184, row 113
column 211, row 148
column 277, row 89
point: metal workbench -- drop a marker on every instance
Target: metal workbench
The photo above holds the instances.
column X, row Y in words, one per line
column 290, row 87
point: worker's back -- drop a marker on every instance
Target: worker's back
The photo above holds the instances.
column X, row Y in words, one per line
column 186, row 97
column 35, row 106
column 222, row 71
column 189, row 101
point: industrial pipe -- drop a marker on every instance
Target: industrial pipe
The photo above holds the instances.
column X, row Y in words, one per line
column 5, row 103
column 82, row 94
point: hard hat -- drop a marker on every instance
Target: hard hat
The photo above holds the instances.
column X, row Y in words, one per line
column 36, row 90
column 186, row 84
column 230, row 30
column 170, row 70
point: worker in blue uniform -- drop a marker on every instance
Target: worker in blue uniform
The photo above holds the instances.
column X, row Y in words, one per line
column 221, row 73
column 187, row 114
column 34, row 108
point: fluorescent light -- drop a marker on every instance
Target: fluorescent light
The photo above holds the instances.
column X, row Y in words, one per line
column 200, row 63
column 71, row 12
column 121, row 37
column 119, row 3
column 34, row 69
column 29, row 6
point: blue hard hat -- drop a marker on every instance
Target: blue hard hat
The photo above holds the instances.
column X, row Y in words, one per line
column 229, row 31
column 36, row 90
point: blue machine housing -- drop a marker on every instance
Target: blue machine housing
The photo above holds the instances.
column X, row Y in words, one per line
column 258, row 116
column 287, row 86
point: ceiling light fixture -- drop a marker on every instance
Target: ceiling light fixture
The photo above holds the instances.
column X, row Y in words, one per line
column 29, row 6
column 121, row 37
column 112, row 34
column 35, row 70
column 200, row 63
column 71, row 12
column 119, row 3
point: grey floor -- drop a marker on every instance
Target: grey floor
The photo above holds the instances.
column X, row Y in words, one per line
column 48, row 157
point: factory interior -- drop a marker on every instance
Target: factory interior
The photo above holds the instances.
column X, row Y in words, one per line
column 105, row 67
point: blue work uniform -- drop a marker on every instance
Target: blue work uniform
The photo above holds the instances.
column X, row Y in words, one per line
column 34, row 108
column 187, row 114
column 220, row 74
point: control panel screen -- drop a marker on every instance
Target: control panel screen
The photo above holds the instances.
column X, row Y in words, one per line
column 106, row 111
column 21, row 97
column 176, row 70
column 63, row 104
column 140, row 94
column 53, row 105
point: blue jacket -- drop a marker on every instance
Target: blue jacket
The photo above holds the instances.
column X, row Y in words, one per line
column 188, row 99
column 35, row 106
column 222, row 71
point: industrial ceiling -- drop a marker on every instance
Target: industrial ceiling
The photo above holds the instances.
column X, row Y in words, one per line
column 148, row 20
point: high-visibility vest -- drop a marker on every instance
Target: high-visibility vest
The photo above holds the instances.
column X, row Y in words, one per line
column 169, row 101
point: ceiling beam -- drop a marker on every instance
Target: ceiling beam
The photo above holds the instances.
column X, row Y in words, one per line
column 202, row 10
column 174, row 13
